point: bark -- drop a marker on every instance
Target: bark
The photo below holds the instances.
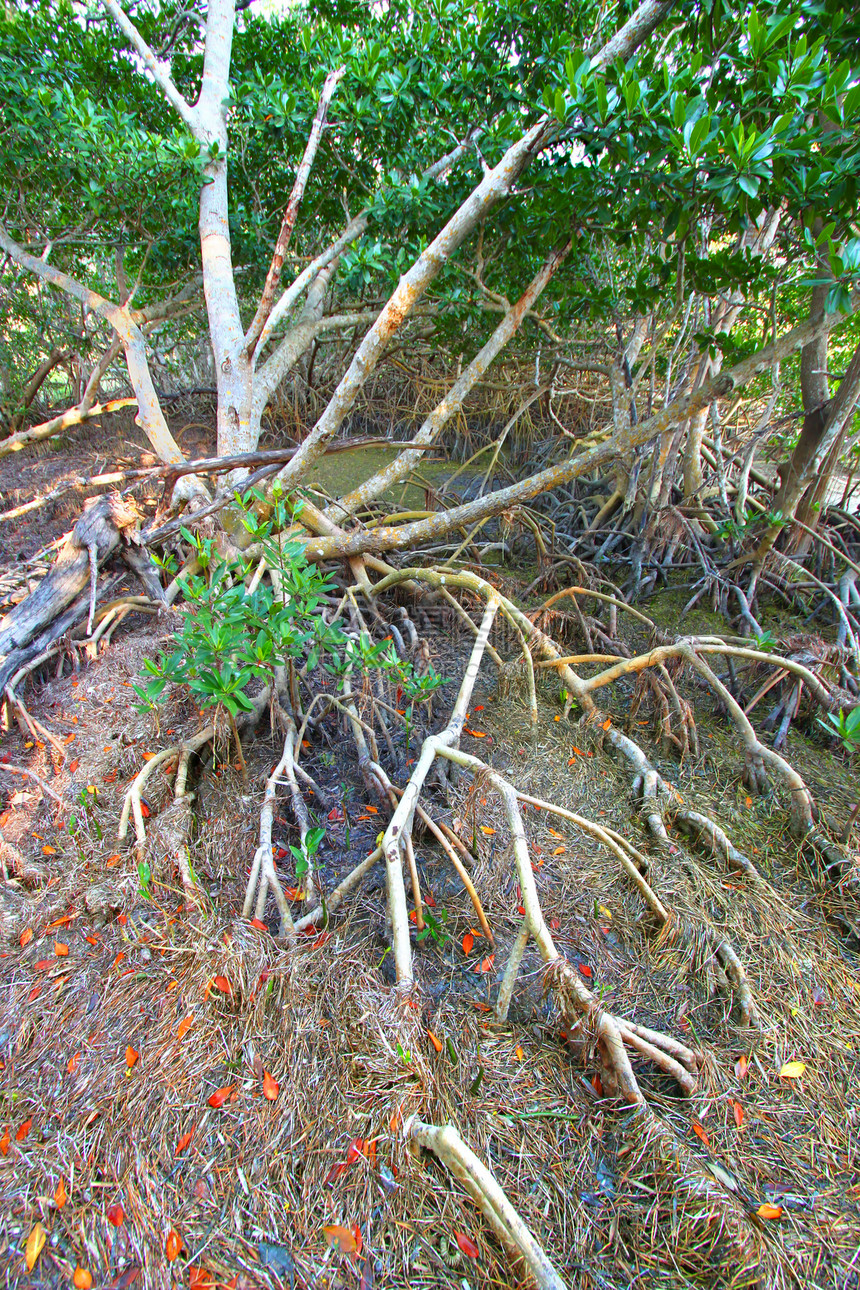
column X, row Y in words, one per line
column 95, row 536
column 273, row 277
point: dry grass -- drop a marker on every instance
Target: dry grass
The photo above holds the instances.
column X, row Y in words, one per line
column 616, row 1201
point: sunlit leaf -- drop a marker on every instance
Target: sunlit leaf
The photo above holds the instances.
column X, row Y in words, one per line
column 792, row 1070
column 35, row 1245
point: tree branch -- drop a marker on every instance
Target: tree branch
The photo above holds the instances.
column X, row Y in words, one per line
column 156, row 70
column 273, row 277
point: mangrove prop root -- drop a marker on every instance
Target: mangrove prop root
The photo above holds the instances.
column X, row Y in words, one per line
column 445, row 1142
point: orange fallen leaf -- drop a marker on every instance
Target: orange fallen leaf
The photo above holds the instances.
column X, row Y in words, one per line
column 518, row 1053
column 700, row 1133
column 35, row 1245
column 26, row 936
column 738, row 1112
column 767, row 1210
column 119, row 958
column 184, row 1026
column 355, row 1150
column 60, row 922
column 42, row 964
column 741, row 1067
column 468, row 943
column 342, row 1236
column 477, row 734
column 172, row 1245
column 82, row 1279
column 553, row 833
column 586, row 970
column 48, row 850
column 221, row 983
column 132, row 1056
column 74, row 1063
column 270, row 1086
column 112, row 860
column 116, row 1215
column 486, row 965
column 559, row 851
column 485, row 828
column 23, row 1130
column 73, row 766
column 437, row 1043
column 60, row 1196
column 60, row 949
column 4, row 1143
column 606, row 724
column 219, row 1097
column 372, row 810
column 259, row 924
column 185, row 1141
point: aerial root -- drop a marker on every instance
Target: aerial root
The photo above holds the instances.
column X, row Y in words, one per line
column 263, row 875
column 445, row 1142
column 705, row 830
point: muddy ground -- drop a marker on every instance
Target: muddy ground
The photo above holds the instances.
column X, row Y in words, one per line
column 114, row 1033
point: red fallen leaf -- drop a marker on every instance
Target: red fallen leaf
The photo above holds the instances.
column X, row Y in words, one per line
column 219, row 1097
column 335, row 813
column 281, row 853
column 738, row 1112
column 119, row 958
column 597, row 1085
column 43, row 963
column 221, row 983
column 259, row 924
column 145, row 808
column 73, row 765
column 132, row 1056
column 354, row 1150
column 26, row 936
column 321, row 940
column 555, row 924
column 172, row 1245
column 700, row 1133
column 468, row 943
column 270, row 1086
column 200, row 1279
column 521, row 909
column 741, row 1067
column 356, row 1231
column 23, row 1130
column 4, row 1143
column 294, row 893
column 467, row 1245
column 34, row 994
column 486, row 965
column 334, row 1172
column 185, row 1141
column 586, row 970
column 429, row 900
column 116, row 1215
column 74, row 1063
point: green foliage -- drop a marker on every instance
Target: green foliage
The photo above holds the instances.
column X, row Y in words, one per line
column 845, row 727
column 232, row 636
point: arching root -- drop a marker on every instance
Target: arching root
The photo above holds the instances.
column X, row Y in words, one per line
column 445, row 1142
